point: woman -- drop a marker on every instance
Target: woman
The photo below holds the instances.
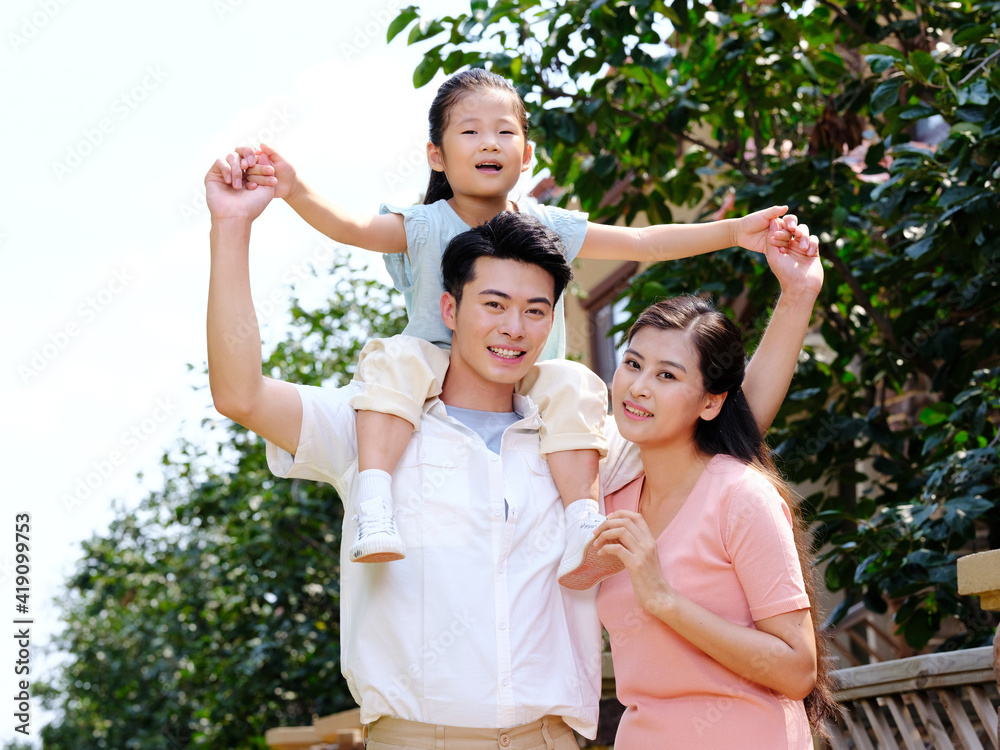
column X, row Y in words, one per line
column 711, row 633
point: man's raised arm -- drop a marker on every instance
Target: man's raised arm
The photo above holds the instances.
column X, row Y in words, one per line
column 268, row 407
column 773, row 364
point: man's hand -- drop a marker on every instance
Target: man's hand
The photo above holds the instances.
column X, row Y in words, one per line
column 265, row 166
column 772, row 227
column 226, row 195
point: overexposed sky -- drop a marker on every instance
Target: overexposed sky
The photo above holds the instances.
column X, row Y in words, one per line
column 112, row 112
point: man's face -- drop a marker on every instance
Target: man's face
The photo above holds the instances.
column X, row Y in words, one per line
column 502, row 323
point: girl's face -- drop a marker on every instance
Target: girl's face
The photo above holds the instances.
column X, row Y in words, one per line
column 483, row 149
column 658, row 394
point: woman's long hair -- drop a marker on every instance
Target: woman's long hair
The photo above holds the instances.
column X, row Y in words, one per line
column 735, row 432
column 450, row 92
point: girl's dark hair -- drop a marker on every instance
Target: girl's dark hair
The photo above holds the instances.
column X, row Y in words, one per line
column 451, row 91
column 735, row 432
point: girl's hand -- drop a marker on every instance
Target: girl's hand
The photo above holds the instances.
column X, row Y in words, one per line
column 626, row 536
column 772, row 228
column 266, row 167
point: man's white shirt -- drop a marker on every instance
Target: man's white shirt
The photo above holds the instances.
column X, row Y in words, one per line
column 471, row 628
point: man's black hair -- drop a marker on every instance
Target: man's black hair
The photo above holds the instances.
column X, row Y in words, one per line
column 507, row 236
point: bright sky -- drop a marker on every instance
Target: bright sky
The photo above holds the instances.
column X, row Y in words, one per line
column 113, row 112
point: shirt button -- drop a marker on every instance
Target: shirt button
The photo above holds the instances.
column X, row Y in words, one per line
column 494, row 457
column 503, row 624
column 497, row 513
column 502, row 568
column 505, row 681
column 504, row 740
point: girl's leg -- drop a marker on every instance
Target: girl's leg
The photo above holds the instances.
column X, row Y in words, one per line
column 395, row 377
column 382, row 438
column 575, row 473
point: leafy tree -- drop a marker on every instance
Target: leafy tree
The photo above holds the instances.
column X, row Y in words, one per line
column 831, row 108
column 210, row 613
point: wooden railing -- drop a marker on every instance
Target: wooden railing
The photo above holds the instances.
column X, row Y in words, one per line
column 335, row 732
column 943, row 701
column 861, row 638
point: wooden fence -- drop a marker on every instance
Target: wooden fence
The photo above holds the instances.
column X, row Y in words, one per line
column 945, row 701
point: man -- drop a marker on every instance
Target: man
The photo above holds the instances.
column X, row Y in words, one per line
column 470, row 638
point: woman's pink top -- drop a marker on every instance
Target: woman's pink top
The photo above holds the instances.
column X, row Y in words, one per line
column 730, row 549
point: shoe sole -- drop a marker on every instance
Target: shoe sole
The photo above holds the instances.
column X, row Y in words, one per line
column 378, row 557
column 592, row 570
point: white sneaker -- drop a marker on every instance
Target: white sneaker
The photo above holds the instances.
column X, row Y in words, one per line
column 581, row 567
column 376, row 539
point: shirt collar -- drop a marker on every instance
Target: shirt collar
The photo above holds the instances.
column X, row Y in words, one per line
column 522, row 405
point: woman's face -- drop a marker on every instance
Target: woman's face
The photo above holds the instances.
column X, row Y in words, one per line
column 658, row 393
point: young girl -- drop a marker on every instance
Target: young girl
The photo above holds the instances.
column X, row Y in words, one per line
column 711, row 634
column 477, row 150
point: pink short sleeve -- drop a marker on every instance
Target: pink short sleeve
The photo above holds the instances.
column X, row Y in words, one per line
column 760, row 540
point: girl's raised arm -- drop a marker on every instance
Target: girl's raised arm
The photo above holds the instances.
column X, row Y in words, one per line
column 672, row 241
column 378, row 233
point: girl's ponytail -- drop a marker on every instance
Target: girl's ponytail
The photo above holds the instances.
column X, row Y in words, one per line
column 438, row 188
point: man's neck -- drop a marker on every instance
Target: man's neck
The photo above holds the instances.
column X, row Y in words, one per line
column 480, row 396
column 464, row 388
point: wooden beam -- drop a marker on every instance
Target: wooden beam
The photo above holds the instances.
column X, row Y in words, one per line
column 924, row 672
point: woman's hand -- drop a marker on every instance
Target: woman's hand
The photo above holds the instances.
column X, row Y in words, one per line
column 626, row 535
column 775, row 229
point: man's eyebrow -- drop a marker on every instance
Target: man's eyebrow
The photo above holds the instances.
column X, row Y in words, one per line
column 504, row 295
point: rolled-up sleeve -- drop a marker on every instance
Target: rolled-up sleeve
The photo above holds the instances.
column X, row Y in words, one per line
column 328, row 441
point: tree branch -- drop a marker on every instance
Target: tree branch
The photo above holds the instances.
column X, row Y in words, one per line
column 847, row 19
column 881, row 323
column 979, row 67
column 859, row 295
column 754, row 124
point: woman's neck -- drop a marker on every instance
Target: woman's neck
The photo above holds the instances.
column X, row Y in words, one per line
column 671, row 471
column 475, row 210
